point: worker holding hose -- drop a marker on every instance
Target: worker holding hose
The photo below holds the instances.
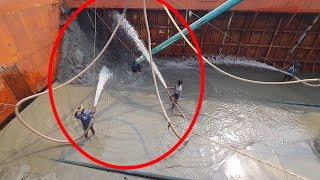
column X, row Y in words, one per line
column 293, row 70
column 85, row 118
column 177, row 92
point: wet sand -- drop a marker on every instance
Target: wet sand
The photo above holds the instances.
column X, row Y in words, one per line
column 130, row 129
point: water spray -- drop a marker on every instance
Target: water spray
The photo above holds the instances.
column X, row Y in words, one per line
column 104, row 76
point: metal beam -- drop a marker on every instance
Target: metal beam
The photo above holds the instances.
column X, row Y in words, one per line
column 211, row 38
column 291, row 6
column 294, row 37
column 313, row 47
column 253, row 21
column 303, row 36
column 259, row 43
column 204, row 30
column 226, row 33
column 280, row 46
column 194, row 26
column 260, row 46
column 257, row 51
column 274, row 35
column 290, row 20
column 284, row 60
column 231, row 29
column 248, row 24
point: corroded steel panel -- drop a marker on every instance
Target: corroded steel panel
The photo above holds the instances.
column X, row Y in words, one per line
column 266, row 37
column 15, row 81
column 29, row 31
column 6, row 96
column 11, row 6
column 9, row 53
column 19, row 33
column 246, row 5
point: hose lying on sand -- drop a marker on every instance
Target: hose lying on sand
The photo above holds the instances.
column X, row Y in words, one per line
column 226, row 146
column 68, row 82
column 127, row 172
column 296, row 104
column 304, row 81
column 154, row 76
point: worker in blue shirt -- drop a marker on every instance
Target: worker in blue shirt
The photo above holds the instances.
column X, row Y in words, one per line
column 293, row 70
column 85, row 117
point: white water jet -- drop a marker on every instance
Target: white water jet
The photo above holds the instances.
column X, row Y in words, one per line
column 104, row 76
column 232, row 60
column 189, row 62
column 129, row 29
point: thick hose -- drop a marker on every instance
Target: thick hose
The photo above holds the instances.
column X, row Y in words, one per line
column 296, row 104
column 226, row 146
column 62, row 85
column 127, row 172
column 153, row 74
column 239, row 78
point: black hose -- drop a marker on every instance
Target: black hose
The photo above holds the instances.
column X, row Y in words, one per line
column 296, row 104
column 127, row 172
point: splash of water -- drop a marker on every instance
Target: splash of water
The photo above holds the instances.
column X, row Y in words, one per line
column 232, row 60
column 189, row 62
column 129, row 29
column 104, row 76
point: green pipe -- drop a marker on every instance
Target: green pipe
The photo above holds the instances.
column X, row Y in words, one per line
column 194, row 26
column 127, row 172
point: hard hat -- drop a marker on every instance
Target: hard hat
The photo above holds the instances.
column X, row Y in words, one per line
column 79, row 108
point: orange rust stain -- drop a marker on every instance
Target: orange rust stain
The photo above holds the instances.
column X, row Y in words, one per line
column 8, row 50
column 18, row 33
column 6, row 96
column 28, row 32
column 11, row 6
column 310, row 6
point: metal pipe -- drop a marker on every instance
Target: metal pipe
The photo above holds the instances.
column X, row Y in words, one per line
column 194, row 26
column 226, row 33
column 127, row 172
column 303, row 36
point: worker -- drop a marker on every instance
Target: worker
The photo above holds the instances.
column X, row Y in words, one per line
column 292, row 71
column 85, row 118
column 136, row 67
column 177, row 92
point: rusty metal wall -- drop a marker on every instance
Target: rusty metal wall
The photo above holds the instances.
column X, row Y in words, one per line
column 15, row 81
column 6, row 96
column 266, row 37
column 10, row 6
column 27, row 31
column 293, row 6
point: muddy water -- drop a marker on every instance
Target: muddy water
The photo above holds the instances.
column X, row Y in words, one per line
column 131, row 129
